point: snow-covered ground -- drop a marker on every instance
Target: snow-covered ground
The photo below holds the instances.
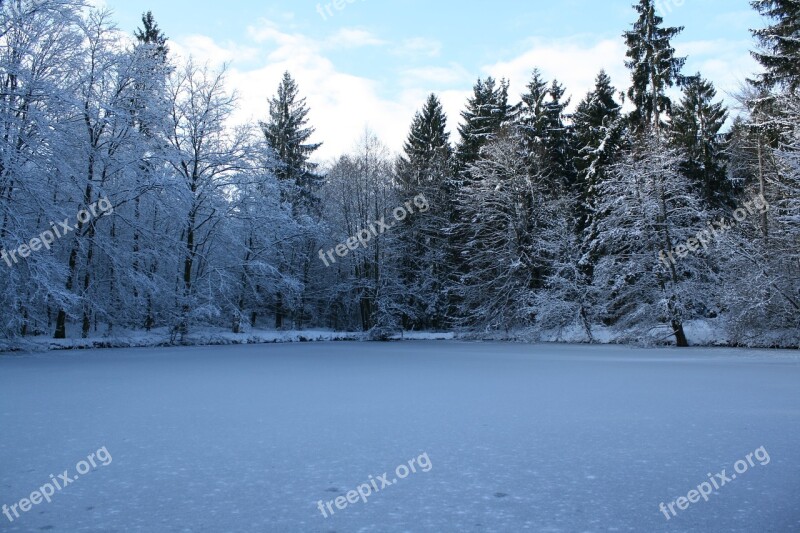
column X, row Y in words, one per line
column 520, row 437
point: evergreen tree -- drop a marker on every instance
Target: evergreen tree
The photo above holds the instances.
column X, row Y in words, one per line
column 149, row 109
column 559, row 141
column 424, row 168
column 597, row 134
column 696, row 125
column 648, row 212
column 569, row 298
column 151, row 34
column 545, row 137
column 779, row 51
column 653, row 64
column 598, row 131
column 427, row 150
column 531, row 115
column 287, row 135
column 486, row 112
column 508, row 217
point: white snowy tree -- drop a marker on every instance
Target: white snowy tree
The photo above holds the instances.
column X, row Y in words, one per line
column 205, row 156
column 39, row 44
column 360, row 191
column 761, row 260
column 647, row 209
column 509, row 212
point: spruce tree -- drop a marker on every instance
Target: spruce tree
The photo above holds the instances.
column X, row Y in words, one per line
column 486, row 112
column 696, row 125
column 150, row 81
column 598, row 130
column 424, row 168
column 559, row 141
column 287, row 134
column 151, row 34
column 530, row 114
column 544, row 135
column 653, row 65
column 427, row 150
column 779, row 53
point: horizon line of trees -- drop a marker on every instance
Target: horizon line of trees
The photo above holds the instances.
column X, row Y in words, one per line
column 540, row 220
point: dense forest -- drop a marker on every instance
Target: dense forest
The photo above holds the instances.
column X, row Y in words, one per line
column 129, row 203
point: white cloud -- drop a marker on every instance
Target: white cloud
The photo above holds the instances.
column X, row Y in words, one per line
column 353, row 38
column 436, row 75
column 342, row 104
column 418, row 47
column 721, row 61
column 574, row 63
column 204, row 48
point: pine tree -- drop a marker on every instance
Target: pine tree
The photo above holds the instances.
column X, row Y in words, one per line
column 486, row 112
column 425, row 168
column 598, row 137
column 151, row 34
column 287, row 135
column 530, row 115
column 507, row 214
column 597, row 129
column 653, row 64
column 427, row 150
column 544, row 135
column 780, row 43
column 648, row 213
column 560, row 158
column 569, row 298
column 696, row 125
column 150, row 80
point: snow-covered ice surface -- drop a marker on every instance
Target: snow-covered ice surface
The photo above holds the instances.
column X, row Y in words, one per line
column 521, row 437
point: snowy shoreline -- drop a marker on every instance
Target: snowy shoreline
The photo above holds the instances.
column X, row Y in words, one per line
column 702, row 335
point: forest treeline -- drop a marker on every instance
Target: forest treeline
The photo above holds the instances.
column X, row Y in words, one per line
column 543, row 216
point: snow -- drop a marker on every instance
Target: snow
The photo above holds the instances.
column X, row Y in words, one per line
column 520, row 437
column 162, row 337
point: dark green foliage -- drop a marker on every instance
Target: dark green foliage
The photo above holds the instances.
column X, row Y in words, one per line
column 151, row 34
column 486, row 112
column 544, row 135
column 597, row 134
column 653, row 65
column 696, row 125
column 286, row 133
column 425, row 168
column 780, row 43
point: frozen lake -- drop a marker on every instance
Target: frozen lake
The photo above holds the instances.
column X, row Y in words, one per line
column 513, row 438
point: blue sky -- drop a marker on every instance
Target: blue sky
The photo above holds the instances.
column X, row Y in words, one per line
column 372, row 63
